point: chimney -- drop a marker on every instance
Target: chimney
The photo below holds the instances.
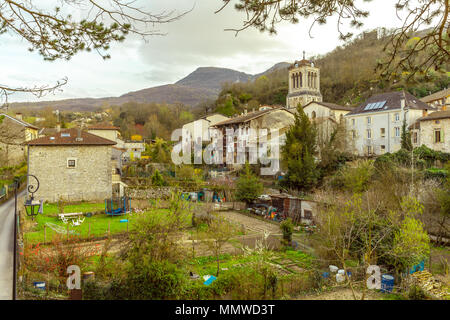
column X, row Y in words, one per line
column 58, row 128
column 19, row 116
column 79, row 138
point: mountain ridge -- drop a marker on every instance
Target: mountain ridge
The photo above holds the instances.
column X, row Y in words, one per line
column 203, row 84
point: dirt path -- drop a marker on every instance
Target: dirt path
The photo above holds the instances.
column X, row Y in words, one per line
column 341, row 294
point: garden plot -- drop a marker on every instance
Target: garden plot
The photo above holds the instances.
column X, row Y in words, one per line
column 252, row 225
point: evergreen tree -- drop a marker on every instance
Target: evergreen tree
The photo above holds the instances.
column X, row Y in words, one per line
column 248, row 186
column 157, row 179
column 298, row 153
column 406, row 137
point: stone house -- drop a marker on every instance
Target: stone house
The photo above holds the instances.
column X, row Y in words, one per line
column 14, row 133
column 375, row 126
column 73, row 165
column 319, row 110
column 433, row 131
column 106, row 131
column 439, row 100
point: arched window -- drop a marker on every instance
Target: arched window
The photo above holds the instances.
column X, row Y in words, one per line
column 301, row 79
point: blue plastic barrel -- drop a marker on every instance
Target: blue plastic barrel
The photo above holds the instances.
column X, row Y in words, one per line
column 387, row 283
column 39, row 285
column 326, row 275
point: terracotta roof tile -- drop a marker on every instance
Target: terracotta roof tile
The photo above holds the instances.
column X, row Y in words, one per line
column 70, row 137
column 436, row 115
column 103, row 126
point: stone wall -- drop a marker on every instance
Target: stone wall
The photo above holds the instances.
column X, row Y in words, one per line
column 427, row 129
column 89, row 180
column 149, row 193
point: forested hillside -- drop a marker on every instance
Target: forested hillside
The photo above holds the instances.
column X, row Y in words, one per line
column 348, row 76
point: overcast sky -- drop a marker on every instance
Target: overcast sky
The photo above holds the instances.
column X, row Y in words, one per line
column 196, row 40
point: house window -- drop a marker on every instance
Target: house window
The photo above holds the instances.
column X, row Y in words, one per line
column 71, row 163
column 397, row 117
column 369, row 134
column 382, row 132
column 369, row 120
column 383, row 148
column 437, row 122
column 307, row 214
column 415, row 137
column 437, row 136
column 353, row 122
column 397, row 131
column 369, row 150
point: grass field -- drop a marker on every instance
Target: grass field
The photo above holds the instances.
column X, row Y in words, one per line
column 95, row 226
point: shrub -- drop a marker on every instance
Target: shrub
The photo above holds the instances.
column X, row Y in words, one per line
column 157, row 179
column 287, row 227
column 248, row 186
column 354, row 178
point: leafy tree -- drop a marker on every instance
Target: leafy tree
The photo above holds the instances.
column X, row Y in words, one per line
column 218, row 233
column 248, row 186
column 298, row 153
column 411, row 243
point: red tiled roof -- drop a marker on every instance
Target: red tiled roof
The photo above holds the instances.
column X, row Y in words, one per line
column 70, row 137
column 103, row 126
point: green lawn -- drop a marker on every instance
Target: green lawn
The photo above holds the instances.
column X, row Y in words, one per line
column 95, row 226
column 52, row 208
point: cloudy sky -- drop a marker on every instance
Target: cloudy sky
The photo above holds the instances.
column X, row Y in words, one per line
column 196, row 40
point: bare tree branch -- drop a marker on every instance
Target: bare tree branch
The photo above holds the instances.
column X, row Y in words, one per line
column 57, row 35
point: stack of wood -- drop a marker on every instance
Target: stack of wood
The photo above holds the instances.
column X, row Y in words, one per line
column 429, row 284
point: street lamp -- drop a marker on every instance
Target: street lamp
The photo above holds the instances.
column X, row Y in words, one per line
column 29, row 203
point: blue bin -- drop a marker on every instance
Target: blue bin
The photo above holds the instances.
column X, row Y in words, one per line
column 39, row 285
column 326, row 275
column 387, row 283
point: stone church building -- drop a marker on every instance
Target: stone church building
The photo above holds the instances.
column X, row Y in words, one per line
column 304, row 83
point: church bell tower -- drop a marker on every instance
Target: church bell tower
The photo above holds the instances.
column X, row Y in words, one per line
column 304, row 83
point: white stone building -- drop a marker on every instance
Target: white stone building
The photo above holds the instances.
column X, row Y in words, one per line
column 376, row 125
column 204, row 124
